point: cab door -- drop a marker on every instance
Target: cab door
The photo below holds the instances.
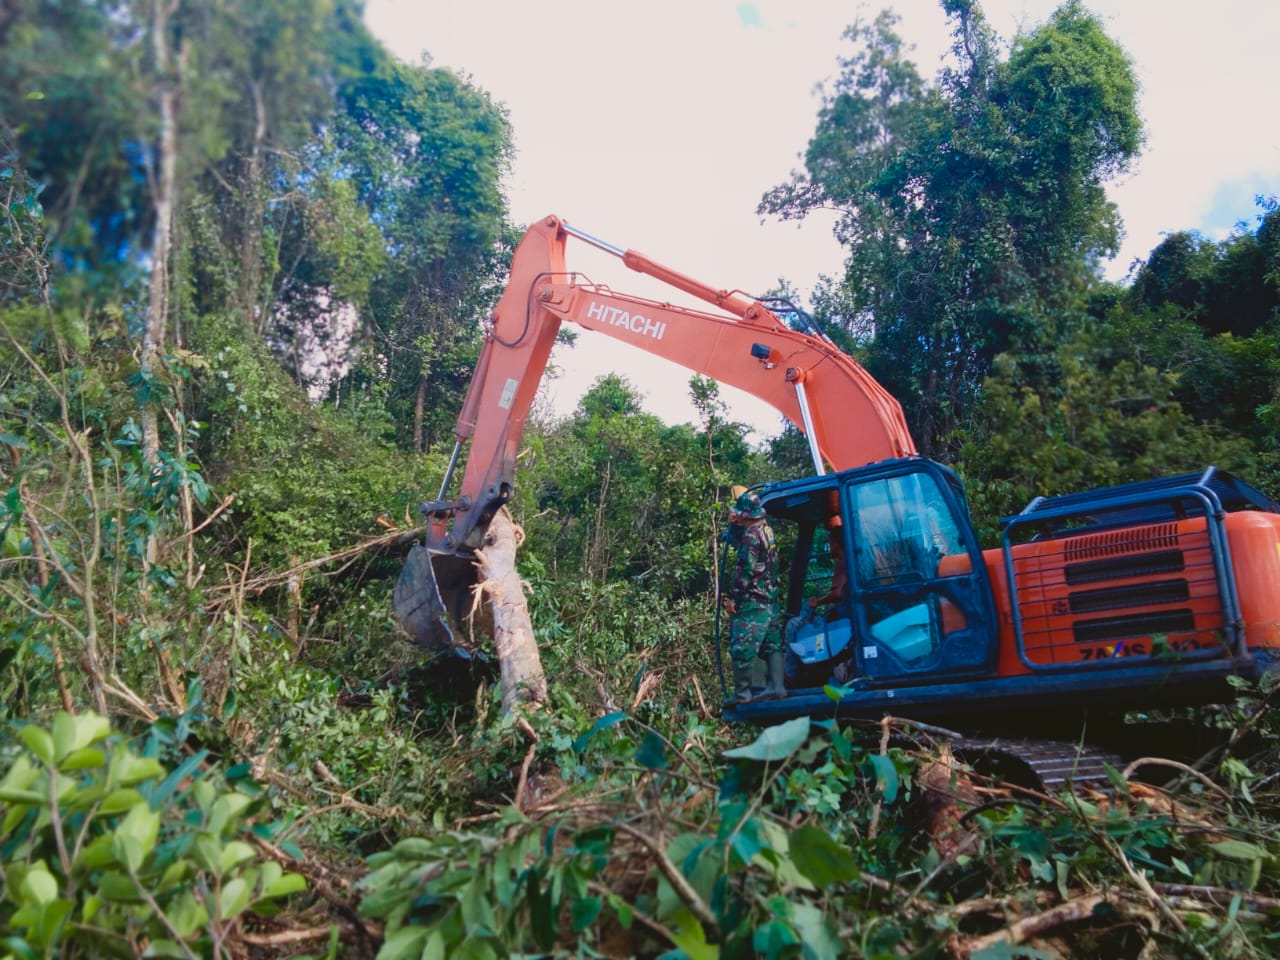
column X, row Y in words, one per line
column 921, row 598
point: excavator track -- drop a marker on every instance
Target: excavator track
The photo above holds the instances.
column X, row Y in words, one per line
column 1051, row 764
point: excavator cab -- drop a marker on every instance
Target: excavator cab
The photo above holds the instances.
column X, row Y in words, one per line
column 918, row 604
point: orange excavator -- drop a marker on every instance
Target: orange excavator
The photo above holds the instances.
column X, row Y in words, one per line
column 1145, row 594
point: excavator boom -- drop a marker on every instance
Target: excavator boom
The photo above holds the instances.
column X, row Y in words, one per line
column 848, row 418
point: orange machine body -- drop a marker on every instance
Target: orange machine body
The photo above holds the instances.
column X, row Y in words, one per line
column 1137, row 591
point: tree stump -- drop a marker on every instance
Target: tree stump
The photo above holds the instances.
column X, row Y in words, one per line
column 519, row 663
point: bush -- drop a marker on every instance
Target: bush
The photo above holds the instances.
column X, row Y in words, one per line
column 103, row 852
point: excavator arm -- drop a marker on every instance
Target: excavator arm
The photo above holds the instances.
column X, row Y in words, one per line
column 847, row 417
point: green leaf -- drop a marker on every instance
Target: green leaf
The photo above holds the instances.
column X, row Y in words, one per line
column 775, row 743
column 75, row 731
column 135, row 837
column 187, row 914
column 24, row 797
column 745, row 841
column 1004, row 950
column 97, row 854
column 127, row 851
column 19, row 948
column 160, row 795
column 38, row 742
column 1120, row 784
column 404, row 944
column 886, row 776
column 652, row 752
column 226, row 809
column 234, row 897
column 207, row 851
column 83, row 759
column 688, row 935
column 39, row 885
column 135, row 769
column 1238, row 850
column 820, row 858
column 233, row 854
column 583, row 912
column 604, row 723
column 817, row 931
column 119, row 801
column 286, row 884
column 772, row 938
column 165, row 948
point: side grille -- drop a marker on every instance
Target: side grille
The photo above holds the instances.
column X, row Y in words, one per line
column 1134, row 595
column 1138, row 625
column 1116, row 542
column 1133, row 565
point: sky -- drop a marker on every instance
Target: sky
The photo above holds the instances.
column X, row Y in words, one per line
column 658, row 126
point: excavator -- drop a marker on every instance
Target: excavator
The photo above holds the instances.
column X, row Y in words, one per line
column 1147, row 594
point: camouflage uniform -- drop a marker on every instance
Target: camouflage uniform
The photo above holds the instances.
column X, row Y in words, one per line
column 755, row 630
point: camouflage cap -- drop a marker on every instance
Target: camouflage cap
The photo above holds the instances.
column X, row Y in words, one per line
column 748, row 506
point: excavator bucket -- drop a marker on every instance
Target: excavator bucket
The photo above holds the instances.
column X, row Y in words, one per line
column 433, row 588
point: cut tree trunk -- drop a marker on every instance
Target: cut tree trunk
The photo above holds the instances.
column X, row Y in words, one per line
column 519, row 663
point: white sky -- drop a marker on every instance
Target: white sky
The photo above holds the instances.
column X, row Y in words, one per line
column 658, row 126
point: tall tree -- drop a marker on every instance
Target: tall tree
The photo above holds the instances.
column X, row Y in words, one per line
column 972, row 209
column 428, row 150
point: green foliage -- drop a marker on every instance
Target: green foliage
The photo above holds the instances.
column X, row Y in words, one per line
column 725, row 875
column 811, row 841
column 1090, row 414
column 972, row 210
column 106, row 853
column 614, row 493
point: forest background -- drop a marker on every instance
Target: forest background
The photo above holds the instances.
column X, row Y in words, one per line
column 245, row 261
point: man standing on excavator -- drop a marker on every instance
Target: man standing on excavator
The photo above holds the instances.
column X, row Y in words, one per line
column 752, row 603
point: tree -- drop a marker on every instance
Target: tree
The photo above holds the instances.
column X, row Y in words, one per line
column 1090, row 413
column 428, row 150
column 973, row 209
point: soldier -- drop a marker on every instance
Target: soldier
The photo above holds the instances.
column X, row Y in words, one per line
column 752, row 603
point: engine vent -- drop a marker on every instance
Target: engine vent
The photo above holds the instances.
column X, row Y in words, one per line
column 1091, row 546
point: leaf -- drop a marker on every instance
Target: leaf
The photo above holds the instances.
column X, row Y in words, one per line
column 886, row 776
column 160, row 794
column 134, row 770
column 745, row 841
column 39, row 885
column 817, row 932
column 775, row 743
column 83, row 759
column 233, row 854
column 1117, row 780
column 604, row 723
column 1004, row 950
column 186, row 913
column 820, row 858
column 1238, row 850
column 75, row 731
column 140, row 827
column 652, row 752
column 772, row 938
column 226, row 809
column 165, row 948
column 38, row 742
column 234, row 897
column 404, row 944
column 583, row 912
column 688, row 935
column 288, row 883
